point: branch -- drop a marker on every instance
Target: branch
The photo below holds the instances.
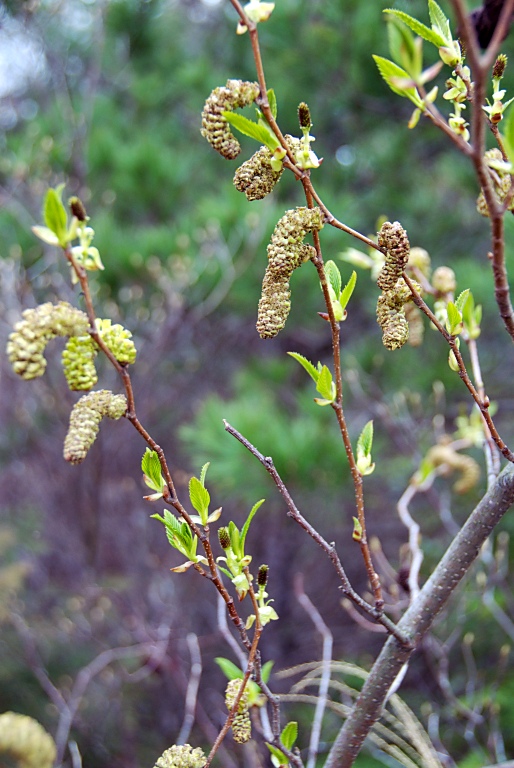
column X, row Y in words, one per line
column 419, row 618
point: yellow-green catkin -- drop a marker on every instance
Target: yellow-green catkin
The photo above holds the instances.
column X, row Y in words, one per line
column 286, row 252
column 27, row 343
column 466, row 466
column 241, row 724
column 85, row 420
column 78, row 362
column 25, row 741
column 393, row 239
column 181, row 756
column 235, row 94
column 501, row 182
column 391, row 314
column 119, row 341
column 256, row 178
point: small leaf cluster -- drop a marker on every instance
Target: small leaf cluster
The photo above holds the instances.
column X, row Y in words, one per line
column 288, row 738
column 181, row 538
column 339, row 296
column 232, row 542
column 255, row 696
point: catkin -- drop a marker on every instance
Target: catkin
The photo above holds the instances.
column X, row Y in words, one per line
column 466, row 466
column 26, row 741
column 235, row 94
column 241, row 724
column 27, row 343
column 286, row 252
column 393, row 239
column 85, row 419
column 256, row 178
column 183, row 756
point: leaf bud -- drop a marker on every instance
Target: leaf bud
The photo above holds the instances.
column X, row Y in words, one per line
column 499, row 66
column 304, row 116
column 224, row 538
column 181, row 756
column 85, row 419
column 262, row 575
column 77, row 208
column 215, row 128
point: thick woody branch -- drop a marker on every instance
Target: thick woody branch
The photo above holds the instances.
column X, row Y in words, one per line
column 419, row 618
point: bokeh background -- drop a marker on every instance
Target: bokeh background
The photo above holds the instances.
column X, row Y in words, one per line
column 107, row 97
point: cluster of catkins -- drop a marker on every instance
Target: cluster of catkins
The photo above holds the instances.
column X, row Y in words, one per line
column 241, row 724
column 501, row 183
column 26, row 347
column 24, row 741
column 286, row 252
column 215, row 128
column 181, row 756
column 27, row 343
column 391, row 316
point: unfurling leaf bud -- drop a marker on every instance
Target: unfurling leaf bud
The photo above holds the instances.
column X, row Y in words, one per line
column 393, row 239
column 78, row 362
column 25, row 741
column 183, row 756
column 304, row 116
column 241, row 724
column 77, row 208
column 286, row 252
column 224, row 538
column 85, row 421
column 262, row 575
column 215, row 128
column 28, row 341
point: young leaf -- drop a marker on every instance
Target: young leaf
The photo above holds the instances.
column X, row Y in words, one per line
column 439, row 21
column 394, row 76
column 46, row 235
column 272, row 100
column 200, row 498
column 278, row 758
column 403, row 49
column 365, row 441
column 151, row 467
column 204, row 472
column 235, row 538
column 249, row 519
column 247, row 127
column 289, row 734
column 454, row 319
column 333, row 277
column 348, row 290
column 229, row 669
column 325, row 384
column 54, row 213
column 462, row 299
column 430, row 35
column 311, row 370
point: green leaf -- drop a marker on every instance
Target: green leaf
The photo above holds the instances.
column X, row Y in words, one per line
column 334, row 277
column 393, row 74
column 462, row 299
column 278, row 754
column 266, row 670
column 272, row 100
column 249, row 519
column 46, row 235
column 348, row 290
column 151, row 467
column 204, row 472
column 311, row 370
column 200, row 498
column 325, row 384
column 54, row 214
column 439, row 21
column 235, row 538
column 454, row 318
column 402, row 47
column 418, row 28
column 289, row 734
column 247, row 127
column 365, row 441
column 229, row 669
column 508, row 134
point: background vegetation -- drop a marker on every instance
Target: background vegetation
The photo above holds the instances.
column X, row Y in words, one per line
column 110, row 103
